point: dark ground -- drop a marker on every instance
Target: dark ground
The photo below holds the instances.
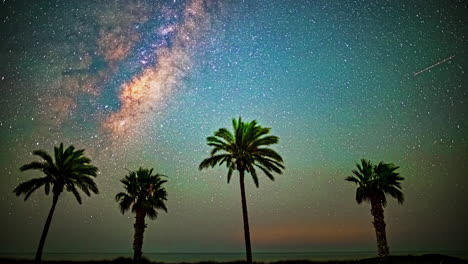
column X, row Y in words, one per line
column 426, row 259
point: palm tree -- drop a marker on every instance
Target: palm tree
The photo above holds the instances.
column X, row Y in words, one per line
column 70, row 170
column 243, row 150
column 144, row 195
column 374, row 182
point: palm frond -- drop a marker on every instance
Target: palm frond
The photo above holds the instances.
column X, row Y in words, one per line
column 86, row 184
column 352, row 179
column 267, row 152
column 269, row 164
column 216, row 140
column 229, row 175
column 224, row 134
column 151, row 213
column 58, row 154
column 124, row 200
column 361, row 195
column 254, row 175
column 159, row 204
column 212, row 161
column 397, row 194
column 35, row 165
column 216, row 149
column 44, row 155
column 71, row 188
column 28, row 187
column 31, row 191
column 77, row 154
column 265, row 141
column 267, row 172
column 87, row 170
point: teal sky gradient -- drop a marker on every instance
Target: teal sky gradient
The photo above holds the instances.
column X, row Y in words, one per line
column 334, row 80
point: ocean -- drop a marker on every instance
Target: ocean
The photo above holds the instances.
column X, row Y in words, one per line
column 196, row 257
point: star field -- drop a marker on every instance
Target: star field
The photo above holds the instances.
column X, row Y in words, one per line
column 143, row 83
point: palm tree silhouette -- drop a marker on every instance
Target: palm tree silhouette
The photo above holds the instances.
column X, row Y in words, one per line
column 70, row 170
column 144, row 195
column 374, row 182
column 243, row 150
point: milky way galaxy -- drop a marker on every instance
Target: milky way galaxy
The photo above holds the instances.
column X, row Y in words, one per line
column 148, row 92
column 144, row 82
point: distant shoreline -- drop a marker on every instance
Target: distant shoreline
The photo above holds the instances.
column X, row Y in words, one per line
column 427, row 258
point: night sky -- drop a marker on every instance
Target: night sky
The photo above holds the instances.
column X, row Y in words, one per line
column 143, row 83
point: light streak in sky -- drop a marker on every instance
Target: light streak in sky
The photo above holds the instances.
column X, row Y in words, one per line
column 433, row 65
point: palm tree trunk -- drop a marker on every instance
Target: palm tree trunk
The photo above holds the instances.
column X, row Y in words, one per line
column 138, row 238
column 379, row 225
column 246, row 219
column 46, row 229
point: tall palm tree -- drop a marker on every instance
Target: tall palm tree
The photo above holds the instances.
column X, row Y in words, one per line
column 244, row 150
column 374, row 182
column 144, row 195
column 69, row 170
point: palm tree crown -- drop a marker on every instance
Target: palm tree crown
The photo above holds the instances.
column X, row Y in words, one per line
column 144, row 192
column 69, row 171
column 374, row 181
column 244, row 150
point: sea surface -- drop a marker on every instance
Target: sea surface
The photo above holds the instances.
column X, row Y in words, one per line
column 196, row 257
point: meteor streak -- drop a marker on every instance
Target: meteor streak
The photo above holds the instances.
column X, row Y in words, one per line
column 433, row 65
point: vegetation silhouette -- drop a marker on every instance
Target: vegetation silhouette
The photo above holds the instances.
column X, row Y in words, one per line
column 68, row 170
column 144, row 195
column 243, row 150
column 423, row 259
column 374, row 182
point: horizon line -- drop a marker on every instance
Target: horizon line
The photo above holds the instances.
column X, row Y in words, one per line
column 237, row 252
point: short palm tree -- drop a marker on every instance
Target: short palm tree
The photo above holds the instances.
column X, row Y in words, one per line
column 69, row 170
column 244, row 150
column 144, row 194
column 374, row 182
